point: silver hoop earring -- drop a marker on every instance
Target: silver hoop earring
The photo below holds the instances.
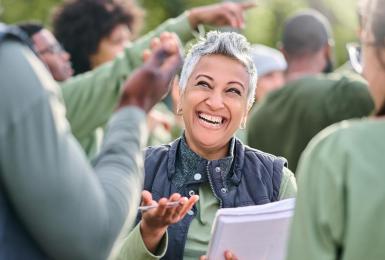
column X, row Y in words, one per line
column 243, row 124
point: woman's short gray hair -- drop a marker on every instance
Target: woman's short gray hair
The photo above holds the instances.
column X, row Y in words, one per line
column 229, row 44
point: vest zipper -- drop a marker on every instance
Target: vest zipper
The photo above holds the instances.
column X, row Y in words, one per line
column 211, row 185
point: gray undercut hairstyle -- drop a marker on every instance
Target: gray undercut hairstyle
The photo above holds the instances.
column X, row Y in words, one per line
column 229, row 44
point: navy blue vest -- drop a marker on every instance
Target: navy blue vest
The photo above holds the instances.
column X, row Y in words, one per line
column 255, row 178
column 15, row 241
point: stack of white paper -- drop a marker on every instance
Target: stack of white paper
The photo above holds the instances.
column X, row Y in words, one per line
column 253, row 232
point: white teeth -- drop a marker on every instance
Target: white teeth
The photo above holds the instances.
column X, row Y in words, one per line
column 214, row 119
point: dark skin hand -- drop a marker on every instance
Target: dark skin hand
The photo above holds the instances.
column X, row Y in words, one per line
column 150, row 83
column 223, row 14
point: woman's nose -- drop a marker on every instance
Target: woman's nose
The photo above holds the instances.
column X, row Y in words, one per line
column 215, row 101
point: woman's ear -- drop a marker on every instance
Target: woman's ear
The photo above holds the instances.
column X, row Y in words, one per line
column 176, row 96
column 244, row 120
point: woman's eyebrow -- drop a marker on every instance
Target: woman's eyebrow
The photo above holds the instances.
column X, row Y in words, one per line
column 204, row 75
column 237, row 82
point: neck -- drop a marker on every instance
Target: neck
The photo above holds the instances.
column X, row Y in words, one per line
column 208, row 153
column 304, row 66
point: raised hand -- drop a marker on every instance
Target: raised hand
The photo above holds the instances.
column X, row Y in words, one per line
column 155, row 221
column 150, row 83
column 223, row 14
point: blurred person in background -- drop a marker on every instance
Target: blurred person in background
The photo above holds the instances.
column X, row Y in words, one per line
column 90, row 98
column 53, row 203
column 271, row 66
column 207, row 160
column 286, row 119
column 340, row 211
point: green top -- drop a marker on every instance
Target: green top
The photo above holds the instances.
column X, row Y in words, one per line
column 71, row 210
column 91, row 97
column 340, row 211
column 198, row 235
column 285, row 121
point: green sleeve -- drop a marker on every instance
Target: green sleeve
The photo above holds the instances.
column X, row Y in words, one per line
column 318, row 222
column 288, row 188
column 134, row 248
column 70, row 209
column 90, row 98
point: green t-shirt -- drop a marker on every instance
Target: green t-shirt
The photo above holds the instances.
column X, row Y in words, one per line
column 340, row 211
column 285, row 121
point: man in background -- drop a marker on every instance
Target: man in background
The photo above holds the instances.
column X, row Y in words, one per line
column 285, row 121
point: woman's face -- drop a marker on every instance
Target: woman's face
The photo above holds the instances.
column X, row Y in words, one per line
column 214, row 104
column 373, row 70
column 110, row 46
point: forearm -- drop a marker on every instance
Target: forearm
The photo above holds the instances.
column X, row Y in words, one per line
column 68, row 210
column 179, row 25
column 90, row 98
column 288, row 187
column 134, row 247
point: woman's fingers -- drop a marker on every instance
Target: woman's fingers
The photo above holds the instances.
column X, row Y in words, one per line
column 162, row 207
column 146, row 198
column 189, row 204
column 170, row 212
column 230, row 256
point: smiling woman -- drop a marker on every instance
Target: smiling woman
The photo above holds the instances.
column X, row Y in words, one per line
column 217, row 87
column 214, row 104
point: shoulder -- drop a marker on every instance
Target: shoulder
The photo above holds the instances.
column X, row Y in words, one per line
column 342, row 138
column 155, row 154
column 255, row 156
column 157, row 150
column 253, row 153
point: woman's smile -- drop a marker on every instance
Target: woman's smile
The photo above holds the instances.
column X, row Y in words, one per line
column 211, row 121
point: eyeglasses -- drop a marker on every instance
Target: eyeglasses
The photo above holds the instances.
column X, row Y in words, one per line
column 55, row 48
column 355, row 56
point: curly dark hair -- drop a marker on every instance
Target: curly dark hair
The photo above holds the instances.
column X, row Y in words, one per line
column 79, row 25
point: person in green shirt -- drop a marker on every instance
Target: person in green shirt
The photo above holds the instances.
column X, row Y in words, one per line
column 340, row 211
column 207, row 160
column 91, row 97
column 285, row 121
column 53, row 203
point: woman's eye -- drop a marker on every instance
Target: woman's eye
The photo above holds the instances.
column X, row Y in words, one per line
column 203, row 84
column 235, row 91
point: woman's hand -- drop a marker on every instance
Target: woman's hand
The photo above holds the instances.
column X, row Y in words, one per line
column 155, row 221
column 228, row 256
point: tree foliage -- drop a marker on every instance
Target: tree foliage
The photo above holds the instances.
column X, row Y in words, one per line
column 263, row 23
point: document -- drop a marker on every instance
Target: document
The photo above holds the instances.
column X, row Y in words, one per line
column 253, row 232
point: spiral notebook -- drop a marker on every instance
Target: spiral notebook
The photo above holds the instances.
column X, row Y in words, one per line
column 253, row 232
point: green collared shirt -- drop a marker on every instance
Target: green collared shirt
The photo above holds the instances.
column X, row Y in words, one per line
column 340, row 211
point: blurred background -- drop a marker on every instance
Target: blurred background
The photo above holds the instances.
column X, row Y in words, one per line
column 262, row 24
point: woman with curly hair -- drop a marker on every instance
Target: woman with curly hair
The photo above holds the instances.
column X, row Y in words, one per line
column 95, row 31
